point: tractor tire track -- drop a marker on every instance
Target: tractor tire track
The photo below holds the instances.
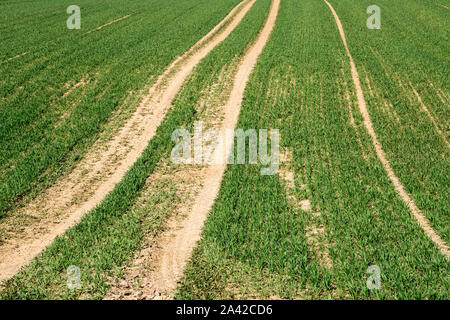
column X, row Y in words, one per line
column 109, row 23
column 430, row 116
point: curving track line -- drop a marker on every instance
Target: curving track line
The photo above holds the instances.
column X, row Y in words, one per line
column 109, row 23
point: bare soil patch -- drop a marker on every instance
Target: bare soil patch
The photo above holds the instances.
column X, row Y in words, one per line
column 15, row 57
column 424, row 108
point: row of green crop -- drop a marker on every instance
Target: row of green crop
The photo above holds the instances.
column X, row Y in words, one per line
column 43, row 133
column 43, row 22
column 109, row 235
column 419, row 59
column 254, row 242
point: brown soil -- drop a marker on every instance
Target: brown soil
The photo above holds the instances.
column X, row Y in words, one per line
column 15, row 57
column 76, row 85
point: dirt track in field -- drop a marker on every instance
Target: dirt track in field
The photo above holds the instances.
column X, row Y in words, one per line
column 417, row 213
column 34, row 227
column 173, row 248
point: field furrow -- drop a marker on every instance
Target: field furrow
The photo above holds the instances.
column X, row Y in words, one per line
column 183, row 113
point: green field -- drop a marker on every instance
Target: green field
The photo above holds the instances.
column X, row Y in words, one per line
column 42, row 131
column 362, row 215
column 258, row 241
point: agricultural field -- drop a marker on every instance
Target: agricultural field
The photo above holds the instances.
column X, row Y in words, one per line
column 336, row 185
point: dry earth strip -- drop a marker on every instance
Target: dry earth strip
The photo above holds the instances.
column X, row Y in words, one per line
column 174, row 247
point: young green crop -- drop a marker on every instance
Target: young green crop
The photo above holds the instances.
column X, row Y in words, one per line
column 42, row 131
column 254, row 243
column 418, row 61
column 109, row 235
